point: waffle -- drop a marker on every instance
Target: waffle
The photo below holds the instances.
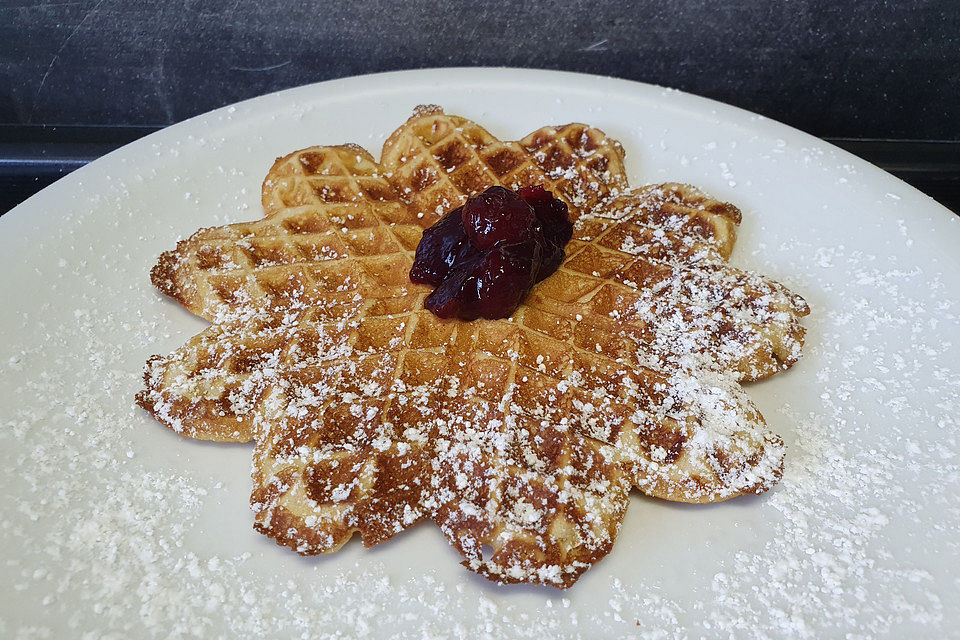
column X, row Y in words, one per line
column 419, row 439
column 436, row 161
column 519, row 437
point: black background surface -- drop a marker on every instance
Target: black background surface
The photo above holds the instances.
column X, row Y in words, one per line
column 851, row 69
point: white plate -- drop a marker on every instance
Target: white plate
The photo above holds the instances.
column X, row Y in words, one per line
column 116, row 527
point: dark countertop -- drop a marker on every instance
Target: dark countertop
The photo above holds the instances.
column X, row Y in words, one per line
column 857, row 68
column 880, row 79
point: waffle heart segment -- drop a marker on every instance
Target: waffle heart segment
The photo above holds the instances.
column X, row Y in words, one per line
column 436, row 161
column 520, row 437
column 421, row 441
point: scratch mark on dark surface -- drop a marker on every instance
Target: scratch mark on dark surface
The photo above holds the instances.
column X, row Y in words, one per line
column 56, row 56
column 596, row 46
column 160, row 82
column 269, row 67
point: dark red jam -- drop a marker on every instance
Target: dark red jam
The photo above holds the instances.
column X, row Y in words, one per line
column 484, row 257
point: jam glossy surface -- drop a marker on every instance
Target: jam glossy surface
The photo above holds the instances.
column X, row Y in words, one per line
column 497, row 215
column 443, row 245
column 484, row 257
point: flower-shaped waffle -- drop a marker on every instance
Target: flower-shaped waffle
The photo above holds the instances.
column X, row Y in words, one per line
column 521, row 437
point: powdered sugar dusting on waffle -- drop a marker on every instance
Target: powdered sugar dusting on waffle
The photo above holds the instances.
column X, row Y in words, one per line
column 521, row 435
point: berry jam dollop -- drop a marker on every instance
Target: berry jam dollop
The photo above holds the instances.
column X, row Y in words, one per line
column 484, row 257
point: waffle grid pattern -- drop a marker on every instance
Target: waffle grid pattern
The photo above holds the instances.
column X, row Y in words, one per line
column 673, row 275
column 435, row 468
column 437, row 161
column 314, row 298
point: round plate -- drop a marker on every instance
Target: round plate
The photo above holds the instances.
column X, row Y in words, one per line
column 114, row 525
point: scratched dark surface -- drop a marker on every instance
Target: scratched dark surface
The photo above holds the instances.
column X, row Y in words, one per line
column 857, row 68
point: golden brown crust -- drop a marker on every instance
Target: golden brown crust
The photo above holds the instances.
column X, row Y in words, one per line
column 166, row 277
column 193, row 414
column 523, row 435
